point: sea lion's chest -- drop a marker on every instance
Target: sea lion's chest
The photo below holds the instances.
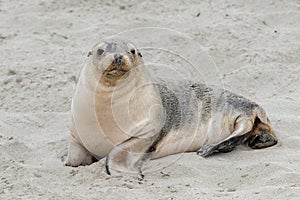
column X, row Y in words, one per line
column 114, row 116
column 105, row 119
column 96, row 123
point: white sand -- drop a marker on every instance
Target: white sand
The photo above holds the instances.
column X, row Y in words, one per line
column 255, row 44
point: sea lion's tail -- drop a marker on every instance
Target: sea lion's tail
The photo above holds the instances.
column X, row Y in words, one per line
column 262, row 115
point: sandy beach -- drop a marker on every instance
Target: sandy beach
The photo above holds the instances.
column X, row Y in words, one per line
column 249, row 47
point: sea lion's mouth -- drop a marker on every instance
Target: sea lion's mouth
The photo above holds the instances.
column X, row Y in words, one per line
column 115, row 72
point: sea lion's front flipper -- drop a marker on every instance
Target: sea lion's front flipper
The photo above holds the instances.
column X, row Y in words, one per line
column 241, row 133
column 77, row 155
column 129, row 156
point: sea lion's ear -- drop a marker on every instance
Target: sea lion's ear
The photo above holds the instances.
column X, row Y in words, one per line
column 89, row 54
column 139, row 53
column 130, row 46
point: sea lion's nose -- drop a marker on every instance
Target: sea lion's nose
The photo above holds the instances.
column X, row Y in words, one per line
column 118, row 58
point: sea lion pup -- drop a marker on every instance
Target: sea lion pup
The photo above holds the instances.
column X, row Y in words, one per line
column 120, row 113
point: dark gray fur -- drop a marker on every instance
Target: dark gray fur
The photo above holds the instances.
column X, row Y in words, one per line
column 205, row 95
column 113, row 47
column 180, row 100
column 235, row 101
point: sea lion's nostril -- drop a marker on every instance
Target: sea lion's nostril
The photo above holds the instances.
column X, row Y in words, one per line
column 118, row 57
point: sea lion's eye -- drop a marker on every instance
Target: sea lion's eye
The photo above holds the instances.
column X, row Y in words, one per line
column 132, row 51
column 100, row 52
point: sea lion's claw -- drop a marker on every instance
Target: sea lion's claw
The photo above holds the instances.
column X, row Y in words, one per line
column 206, row 150
column 107, row 167
column 141, row 177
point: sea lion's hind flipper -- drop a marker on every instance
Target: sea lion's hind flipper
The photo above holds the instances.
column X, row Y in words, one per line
column 263, row 135
column 240, row 134
column 262, row 140
column 129, row 156
column 224, row 146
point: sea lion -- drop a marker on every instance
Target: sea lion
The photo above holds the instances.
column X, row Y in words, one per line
column 119, row 111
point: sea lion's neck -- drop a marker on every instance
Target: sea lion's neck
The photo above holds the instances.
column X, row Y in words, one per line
column 135, row 78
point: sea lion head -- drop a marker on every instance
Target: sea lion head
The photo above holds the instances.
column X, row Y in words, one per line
column 115, row 59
